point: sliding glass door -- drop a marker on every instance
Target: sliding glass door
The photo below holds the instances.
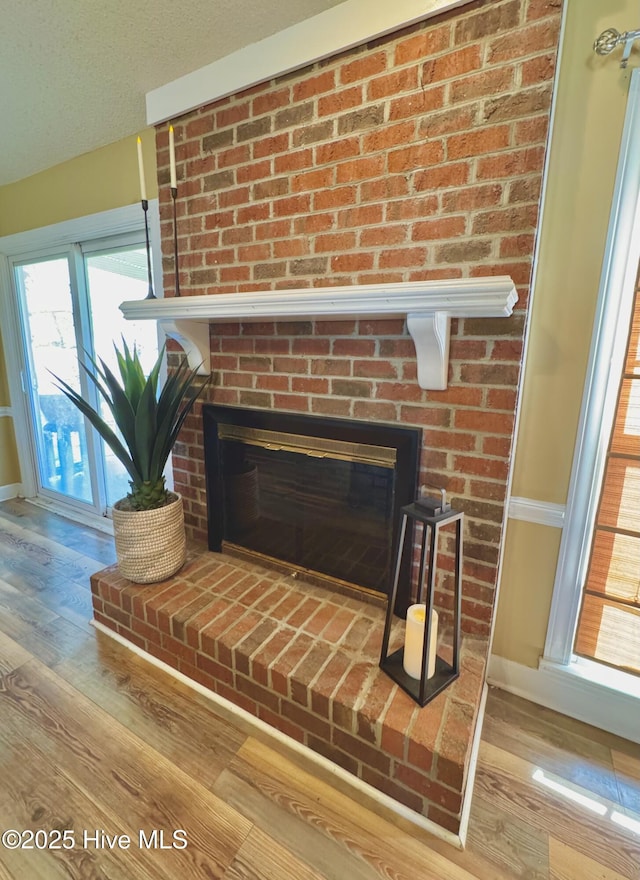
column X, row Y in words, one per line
column 111, row 278
column 59, row 431
column 68, row 304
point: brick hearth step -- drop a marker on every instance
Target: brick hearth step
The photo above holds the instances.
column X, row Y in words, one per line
column 304, row 659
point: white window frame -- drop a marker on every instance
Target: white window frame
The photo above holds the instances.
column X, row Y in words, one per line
column 606, row 360
column 39, row 242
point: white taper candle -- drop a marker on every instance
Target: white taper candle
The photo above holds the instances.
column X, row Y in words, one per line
column 172, row 158
column 143, row 188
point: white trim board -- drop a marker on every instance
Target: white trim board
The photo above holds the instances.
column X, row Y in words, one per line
column 544, row 513
column 602, row 378
column 13, row 359
column 5, row 412
column 11, row 490
column 347, row 780
column 566, row 689
column 349, row 24
column 115, row 221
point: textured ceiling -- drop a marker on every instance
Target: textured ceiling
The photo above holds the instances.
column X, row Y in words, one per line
column 74, row 73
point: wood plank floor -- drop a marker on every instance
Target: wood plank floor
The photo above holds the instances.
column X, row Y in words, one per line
column 94, row 739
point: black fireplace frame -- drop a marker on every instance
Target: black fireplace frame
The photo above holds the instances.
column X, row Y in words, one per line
column 406, row 440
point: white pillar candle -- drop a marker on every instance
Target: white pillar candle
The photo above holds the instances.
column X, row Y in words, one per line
column 143, row 188
column 172, row 158
column 414, row 641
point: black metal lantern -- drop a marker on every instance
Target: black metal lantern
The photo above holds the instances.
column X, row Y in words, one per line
column 418, row 653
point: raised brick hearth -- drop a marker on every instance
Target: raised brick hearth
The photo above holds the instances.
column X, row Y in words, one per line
column 305, row 660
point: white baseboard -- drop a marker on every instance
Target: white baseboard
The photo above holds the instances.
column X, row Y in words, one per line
column 566, row 689
column 371, row 797
column 93, row 521
column 12, row 490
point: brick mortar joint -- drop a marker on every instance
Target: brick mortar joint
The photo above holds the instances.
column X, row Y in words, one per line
column 368, row 103
column 515, row 64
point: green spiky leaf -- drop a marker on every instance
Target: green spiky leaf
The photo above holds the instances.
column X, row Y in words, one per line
column 148, row 421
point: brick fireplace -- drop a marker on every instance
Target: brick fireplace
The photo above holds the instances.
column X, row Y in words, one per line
column 416, row 157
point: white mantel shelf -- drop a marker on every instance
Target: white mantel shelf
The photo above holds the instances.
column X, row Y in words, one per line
column 427, row 305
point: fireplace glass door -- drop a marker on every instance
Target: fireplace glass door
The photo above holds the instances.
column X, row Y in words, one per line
column 320, row 504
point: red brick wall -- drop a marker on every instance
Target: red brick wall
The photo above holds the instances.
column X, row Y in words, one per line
column 418, row 156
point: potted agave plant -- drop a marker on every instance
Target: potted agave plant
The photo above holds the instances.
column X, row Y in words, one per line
column 149, row 523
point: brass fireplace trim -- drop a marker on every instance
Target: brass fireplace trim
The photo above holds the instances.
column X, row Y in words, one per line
column 314, row 447
column 310, row 575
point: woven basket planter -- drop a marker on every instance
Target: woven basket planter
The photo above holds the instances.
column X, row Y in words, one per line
column 150, row 544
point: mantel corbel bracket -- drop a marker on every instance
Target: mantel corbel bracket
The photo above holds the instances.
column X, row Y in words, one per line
column 193, row 336
column 430, row 332
column 427, row 305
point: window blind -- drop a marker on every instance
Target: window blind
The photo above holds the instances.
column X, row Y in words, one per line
column 609, row 623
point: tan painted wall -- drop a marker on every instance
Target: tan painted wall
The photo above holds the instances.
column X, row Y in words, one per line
column 592, row 93
column 98, row 181
column 9, row 467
